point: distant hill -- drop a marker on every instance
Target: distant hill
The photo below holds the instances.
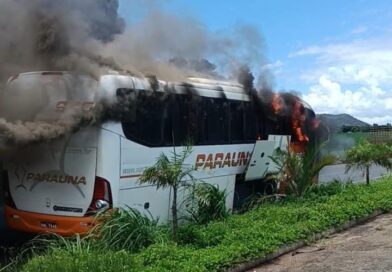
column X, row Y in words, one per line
column 336, row 121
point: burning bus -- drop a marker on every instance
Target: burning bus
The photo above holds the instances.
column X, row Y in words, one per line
column 58, row 185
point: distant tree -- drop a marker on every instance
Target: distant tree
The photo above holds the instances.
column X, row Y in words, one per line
column 364, row 154
column 170, row 172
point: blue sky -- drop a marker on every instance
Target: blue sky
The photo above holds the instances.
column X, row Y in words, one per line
column 337, row 54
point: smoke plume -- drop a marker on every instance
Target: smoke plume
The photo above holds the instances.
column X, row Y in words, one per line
column 89, row 37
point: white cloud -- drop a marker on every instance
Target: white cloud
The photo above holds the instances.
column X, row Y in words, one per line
column 354, row 78
column 328, row 96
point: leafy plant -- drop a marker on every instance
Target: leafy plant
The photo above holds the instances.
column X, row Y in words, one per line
column 127, row 229
column 206, row 202
column 299, row 171
column 170, row 172
column 364, row 154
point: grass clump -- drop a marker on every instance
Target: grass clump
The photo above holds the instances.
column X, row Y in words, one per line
column 128, row 229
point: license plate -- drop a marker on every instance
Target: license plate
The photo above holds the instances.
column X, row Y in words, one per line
column 48, row 225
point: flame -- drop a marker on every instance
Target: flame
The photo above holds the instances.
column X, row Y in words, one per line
column 298, row 115
column 298, row 120
column 277, row 103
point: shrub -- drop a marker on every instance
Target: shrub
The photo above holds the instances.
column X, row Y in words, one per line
column 206, row 202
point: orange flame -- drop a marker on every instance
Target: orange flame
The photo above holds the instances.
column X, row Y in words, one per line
column 298, row 120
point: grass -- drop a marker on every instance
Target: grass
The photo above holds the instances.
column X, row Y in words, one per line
column 221, row 244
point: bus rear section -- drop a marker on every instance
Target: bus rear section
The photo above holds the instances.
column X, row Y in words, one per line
column 53, row 186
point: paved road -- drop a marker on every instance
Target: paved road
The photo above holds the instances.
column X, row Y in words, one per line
column 367, row 247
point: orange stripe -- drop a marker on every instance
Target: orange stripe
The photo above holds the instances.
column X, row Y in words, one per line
column 31, row 222
column 131, row 176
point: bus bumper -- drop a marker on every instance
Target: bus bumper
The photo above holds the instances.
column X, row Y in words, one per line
column 44, row 223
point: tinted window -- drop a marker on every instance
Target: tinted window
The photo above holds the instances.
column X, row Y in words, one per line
column 251, row 122
column 237, row 125
column 215, row 121
column 155, row 118
column 144, row 120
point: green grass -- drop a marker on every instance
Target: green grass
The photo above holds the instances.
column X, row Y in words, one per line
column 221, row 244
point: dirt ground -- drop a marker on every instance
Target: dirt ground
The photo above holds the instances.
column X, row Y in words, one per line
column 367, row 247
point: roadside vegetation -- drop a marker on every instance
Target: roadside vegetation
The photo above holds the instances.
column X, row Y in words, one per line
column 220, row 244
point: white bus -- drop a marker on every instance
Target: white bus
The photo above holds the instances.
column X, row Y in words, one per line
column 57, row 186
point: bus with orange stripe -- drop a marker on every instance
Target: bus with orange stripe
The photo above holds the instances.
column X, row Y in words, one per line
column 59, row 185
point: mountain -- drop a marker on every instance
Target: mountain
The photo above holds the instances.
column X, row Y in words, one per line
column 335, row 122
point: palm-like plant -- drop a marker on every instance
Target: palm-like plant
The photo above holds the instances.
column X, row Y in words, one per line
column 299, row 171
column 170, row 171
column 364, row 154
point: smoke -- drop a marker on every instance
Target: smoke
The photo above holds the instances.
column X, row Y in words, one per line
column 51, row 35
column 42, row 34
column 89, row 37
column 246, row 78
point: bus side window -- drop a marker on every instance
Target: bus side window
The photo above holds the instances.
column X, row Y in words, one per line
column 251, row 122
column 180, row 112
column 215, row 126
column 145, row 123
column 237, row 124
column 182, row 122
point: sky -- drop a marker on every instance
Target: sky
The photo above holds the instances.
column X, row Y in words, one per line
column 336, row 54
